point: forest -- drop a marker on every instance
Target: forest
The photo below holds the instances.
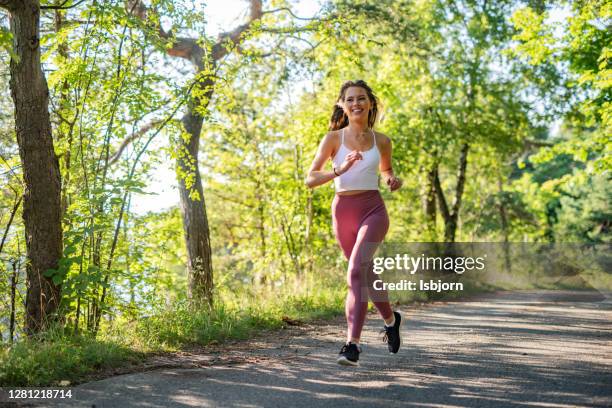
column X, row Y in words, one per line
column 500, row 115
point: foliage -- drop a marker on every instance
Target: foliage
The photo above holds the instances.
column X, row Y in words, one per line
column 579, row 158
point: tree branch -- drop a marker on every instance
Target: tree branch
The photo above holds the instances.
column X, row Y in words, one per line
column 537, row 143
column 287, row 9
column 11, row 170
column 136, row 135
column 138, row 9
column 62, row 6
column 232, row 200
column 183, row 47
column 287, row 30
column 188, row 48
column 8, row 226
column 220, row 49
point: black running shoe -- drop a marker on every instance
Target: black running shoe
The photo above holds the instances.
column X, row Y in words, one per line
column 392, row 334
column 349, row 355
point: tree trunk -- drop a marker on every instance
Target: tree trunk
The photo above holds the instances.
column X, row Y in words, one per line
column 451, row 227
column 452, row 215
column 261, row 277
column 429, row 204
column 63, row 105
column 504, row 225
column 308, row 232
column 14, row 275
column 195, row 221
column 42, row 203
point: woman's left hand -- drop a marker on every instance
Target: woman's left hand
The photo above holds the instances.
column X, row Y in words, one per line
column 394, row 183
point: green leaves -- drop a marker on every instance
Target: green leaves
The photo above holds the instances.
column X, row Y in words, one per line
column 6, row 42
column 536, row 41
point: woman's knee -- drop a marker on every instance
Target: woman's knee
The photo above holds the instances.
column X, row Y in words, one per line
column 356, row 274
column 352, row 277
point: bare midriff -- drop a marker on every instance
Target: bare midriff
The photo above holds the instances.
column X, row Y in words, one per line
column 352, row 192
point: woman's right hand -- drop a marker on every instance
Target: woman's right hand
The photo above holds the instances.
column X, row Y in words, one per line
column 349, row 160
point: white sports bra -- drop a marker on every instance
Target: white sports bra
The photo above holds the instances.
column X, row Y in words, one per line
column 363, row 174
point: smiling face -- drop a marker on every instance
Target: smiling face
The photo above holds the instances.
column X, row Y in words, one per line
column 356, row 104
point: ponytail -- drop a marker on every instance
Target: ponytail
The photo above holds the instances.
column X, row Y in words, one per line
column 339, row 119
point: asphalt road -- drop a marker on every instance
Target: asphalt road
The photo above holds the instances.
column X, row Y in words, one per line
column 533, row 348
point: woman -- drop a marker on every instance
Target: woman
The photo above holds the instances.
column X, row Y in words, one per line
column 360, row 219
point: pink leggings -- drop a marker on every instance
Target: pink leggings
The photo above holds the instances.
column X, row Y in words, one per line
column 360, row 224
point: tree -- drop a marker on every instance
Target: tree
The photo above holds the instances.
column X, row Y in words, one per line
column 573, row 170
column 41, row 203
column 205, row 60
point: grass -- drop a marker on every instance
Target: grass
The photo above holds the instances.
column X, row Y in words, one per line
column 179, row 325
column 58, row 356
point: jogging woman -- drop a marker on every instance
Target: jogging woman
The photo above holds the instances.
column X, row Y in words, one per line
column 360, row 219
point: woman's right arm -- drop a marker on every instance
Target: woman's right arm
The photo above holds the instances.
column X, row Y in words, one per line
column 316, row 176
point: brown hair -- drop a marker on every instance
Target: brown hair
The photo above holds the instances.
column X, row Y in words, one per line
column 339, row 119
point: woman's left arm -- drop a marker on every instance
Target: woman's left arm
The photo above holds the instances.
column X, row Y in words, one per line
column 386, row 169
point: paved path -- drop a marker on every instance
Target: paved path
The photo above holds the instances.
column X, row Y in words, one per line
column 534, row 348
